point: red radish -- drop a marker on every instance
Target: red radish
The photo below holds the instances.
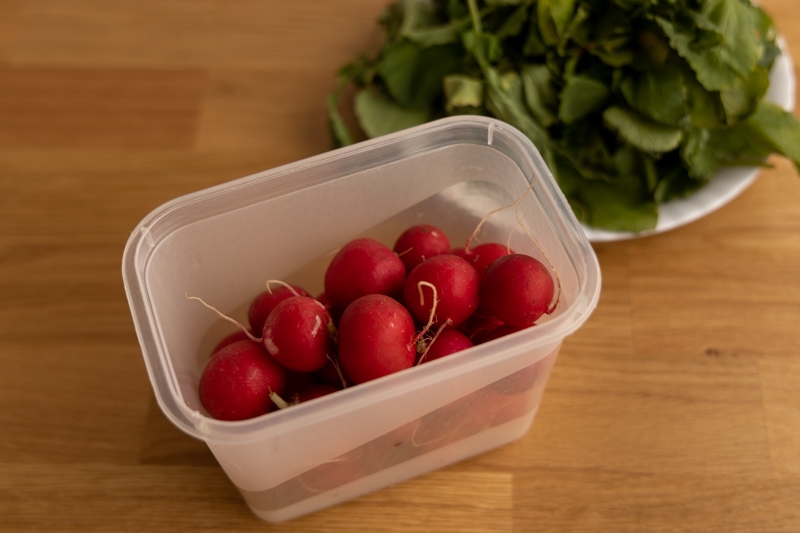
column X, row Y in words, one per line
column 517, row 289
column 483, row 255
column 363, row 266
column 298, row 334
column 448, row 341
column 376, row 338
column 449, row 281
column 495, row 333
column 297, row 381
column 325, row 301
column 313, row 390
column 331, row 374
column 265, row 302
column 237, row 381
column 335, row 312
column 238, row 335
column 420, row 242
column 478, row 324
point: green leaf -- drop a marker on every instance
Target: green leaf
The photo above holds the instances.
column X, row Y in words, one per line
column 769, row 130
column 738, row 30
column 421, row 25
column 741, row 99
column 507, row 2
column 378, row 115
column 704, row 106
column 655, row 47
column 554, row 16
column 398, row 69
column 413, row 73
column 534, row 43
column 514, row 24
column 674, row 182
column 776, row 128
column 506, row 101
column 721, row 42
column 415, row 16
column 711, row 73
column 540, row 93
column 581, row 95
column 445, row 34
column 619, row 205
column 701, row 160
column 462, row 92
column 642, row 132
column 485, row 47
column 659, row 94
column 339, row 130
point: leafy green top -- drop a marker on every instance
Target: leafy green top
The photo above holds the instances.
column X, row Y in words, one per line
column 631, row 102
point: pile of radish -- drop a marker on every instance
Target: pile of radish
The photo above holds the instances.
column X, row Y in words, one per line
column 383, row 310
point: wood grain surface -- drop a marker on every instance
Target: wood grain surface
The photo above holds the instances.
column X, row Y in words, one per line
column 675, row 408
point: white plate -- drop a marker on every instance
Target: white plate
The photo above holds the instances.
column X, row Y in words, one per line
column 726, row 184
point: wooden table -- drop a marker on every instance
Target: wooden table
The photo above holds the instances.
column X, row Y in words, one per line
column 675, row 408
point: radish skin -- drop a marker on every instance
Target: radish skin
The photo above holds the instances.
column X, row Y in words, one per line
column 376, row 338
column 447, row 342
column 265, row 302
column 517, row 290
column 421, row 242
column 237, row 381
column 455, row 283
column 483, row 255
column 298, row 334
column 363, row 266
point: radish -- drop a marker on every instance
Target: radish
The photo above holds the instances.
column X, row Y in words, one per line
column 363, row 266
column 420, row 242
column 313, row 390
column 265, row 302
column 297, row 381
column 238, row 335
column 446, row 342
column 495, row 333
column 237, row 381
column 478, row 324
column 336, row 312
column 447, row 281
column 376, row 338
column 483, row 255
column 517, row 289
column 331, row 374
column 298, row 334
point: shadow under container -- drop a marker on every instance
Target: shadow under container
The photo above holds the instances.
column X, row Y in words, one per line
column 223, row 243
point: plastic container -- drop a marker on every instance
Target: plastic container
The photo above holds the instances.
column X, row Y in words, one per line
column 223, row 243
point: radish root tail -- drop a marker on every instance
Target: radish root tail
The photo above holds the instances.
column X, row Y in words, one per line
column 279, row 402
column 488, row 215
column 271, row 282
column 338, row 369
column 404, row 252
column 557, row 298
column 430, row 342
column 225, row 317
column 432, row 315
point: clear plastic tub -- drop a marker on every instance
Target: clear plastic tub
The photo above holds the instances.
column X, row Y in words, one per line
column 224, row 242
